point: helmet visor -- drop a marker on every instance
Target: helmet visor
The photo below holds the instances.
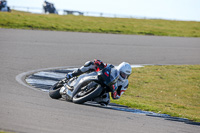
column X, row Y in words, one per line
column 124, row 75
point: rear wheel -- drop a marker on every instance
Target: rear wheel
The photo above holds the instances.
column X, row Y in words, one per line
column 54, row 91
column 87, row 94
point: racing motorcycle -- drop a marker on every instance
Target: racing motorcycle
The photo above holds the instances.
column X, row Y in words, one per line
column 86, row 87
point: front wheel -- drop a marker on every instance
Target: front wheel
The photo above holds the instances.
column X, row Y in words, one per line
column 87, row 95
column 54, row 91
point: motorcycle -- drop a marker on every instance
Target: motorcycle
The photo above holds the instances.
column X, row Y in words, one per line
column 4, row 7
column 49, row 8
column 86, row 87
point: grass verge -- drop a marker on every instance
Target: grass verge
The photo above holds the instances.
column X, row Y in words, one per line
column 24, row 20
column 4, row 131
column 173, row 90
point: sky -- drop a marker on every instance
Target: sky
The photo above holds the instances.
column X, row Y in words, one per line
column 186, row 10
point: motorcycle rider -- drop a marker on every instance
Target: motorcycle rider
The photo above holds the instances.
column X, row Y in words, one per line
column 124, row 71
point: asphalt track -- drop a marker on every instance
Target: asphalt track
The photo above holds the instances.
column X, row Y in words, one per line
column 25, row 110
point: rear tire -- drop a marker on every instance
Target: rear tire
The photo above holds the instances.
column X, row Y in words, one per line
column 88, row 96
column 54, row 91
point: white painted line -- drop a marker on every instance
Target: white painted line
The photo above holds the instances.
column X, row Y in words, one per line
column 136, row 66
column 21, row 77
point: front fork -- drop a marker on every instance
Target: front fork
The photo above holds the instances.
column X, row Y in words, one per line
column 66, row 90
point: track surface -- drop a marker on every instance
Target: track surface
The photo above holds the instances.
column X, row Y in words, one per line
column 26, row 110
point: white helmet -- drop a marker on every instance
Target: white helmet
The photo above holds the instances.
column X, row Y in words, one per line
column 124, row 70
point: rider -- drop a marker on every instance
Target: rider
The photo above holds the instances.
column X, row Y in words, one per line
column 124, row 71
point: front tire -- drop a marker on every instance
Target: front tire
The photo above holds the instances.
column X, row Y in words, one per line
column 93, row 93
column 54, row 91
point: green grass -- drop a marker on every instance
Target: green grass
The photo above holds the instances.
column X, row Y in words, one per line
column 24, row 20
column 4, row 131
column 173, row 90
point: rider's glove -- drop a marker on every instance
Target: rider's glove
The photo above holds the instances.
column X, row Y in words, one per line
column 99, row 64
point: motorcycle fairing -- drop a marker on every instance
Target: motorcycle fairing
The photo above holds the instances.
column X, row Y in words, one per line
column 83, row 80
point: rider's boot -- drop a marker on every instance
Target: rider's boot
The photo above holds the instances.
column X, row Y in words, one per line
column 104, row 100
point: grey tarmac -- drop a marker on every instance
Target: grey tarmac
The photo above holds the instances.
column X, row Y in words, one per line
column 25, row 110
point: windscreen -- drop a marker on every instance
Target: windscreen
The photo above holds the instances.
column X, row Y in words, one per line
column 110, row 76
